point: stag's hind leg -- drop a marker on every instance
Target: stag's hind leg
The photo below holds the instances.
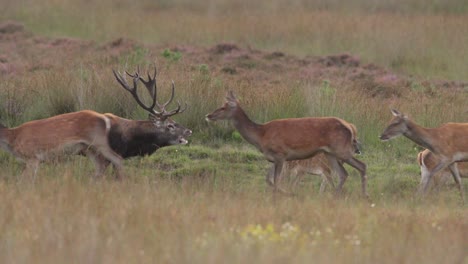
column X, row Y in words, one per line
column 100, row 162
column 108, row 154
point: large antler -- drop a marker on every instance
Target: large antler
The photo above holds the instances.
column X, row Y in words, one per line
column 150, row 85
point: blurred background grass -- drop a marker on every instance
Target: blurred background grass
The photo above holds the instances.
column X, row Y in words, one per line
column 425, row 38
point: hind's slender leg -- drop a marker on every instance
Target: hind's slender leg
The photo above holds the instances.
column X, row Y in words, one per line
column 361, row 167
column 270, row 176
column 30, row 171
column 338, row 168
column 456, row 176
column 426, row 177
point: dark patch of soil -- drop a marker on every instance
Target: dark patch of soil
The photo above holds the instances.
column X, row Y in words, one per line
column 10, row 27
column 22, row 52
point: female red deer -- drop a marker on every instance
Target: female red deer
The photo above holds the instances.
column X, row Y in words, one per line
column 427, row 161
column 449, row 143
column 295, row 138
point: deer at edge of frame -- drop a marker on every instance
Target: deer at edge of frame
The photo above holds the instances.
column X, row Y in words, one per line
column 448, row 142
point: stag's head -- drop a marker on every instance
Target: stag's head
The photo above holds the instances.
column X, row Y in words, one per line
column 161, row 120
column 397, row 126
column 226, row 111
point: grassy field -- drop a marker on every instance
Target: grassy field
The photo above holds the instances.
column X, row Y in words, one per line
column 208, row 202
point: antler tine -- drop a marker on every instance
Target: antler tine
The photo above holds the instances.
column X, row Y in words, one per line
column 136, row 75
column 133, row 90
column 176, row 111
column 121, row 80
column 163, row 106
column 151, row 86
column 166, row 114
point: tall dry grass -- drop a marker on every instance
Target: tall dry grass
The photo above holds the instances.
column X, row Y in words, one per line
column 147, row 220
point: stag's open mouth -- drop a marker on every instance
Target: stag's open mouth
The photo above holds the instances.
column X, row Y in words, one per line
column 183, row 141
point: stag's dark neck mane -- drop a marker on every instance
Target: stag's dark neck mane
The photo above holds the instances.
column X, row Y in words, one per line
column 131, row 139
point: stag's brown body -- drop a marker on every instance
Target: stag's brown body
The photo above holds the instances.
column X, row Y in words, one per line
column 296, row 138
column 72, row 133
column 449, row 143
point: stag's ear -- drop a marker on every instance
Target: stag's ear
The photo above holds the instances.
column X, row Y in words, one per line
column 155, row 118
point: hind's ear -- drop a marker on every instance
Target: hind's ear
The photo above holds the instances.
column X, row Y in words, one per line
column 231, row 99
column 230, row 96
column 396, row 112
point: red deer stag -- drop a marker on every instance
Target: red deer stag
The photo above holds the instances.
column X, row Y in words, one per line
column 130, row 138
column 295, row 138
column 427, row 161
column 449, row 143
column 78, row 132
column 138, row 138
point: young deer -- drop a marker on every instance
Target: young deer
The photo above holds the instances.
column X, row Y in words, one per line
column 427, row 161
column 78, row 132
column 317, row 165
column 449, row 143
column 295, row 138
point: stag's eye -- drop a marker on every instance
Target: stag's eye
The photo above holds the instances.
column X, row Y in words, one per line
column 171, row 126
